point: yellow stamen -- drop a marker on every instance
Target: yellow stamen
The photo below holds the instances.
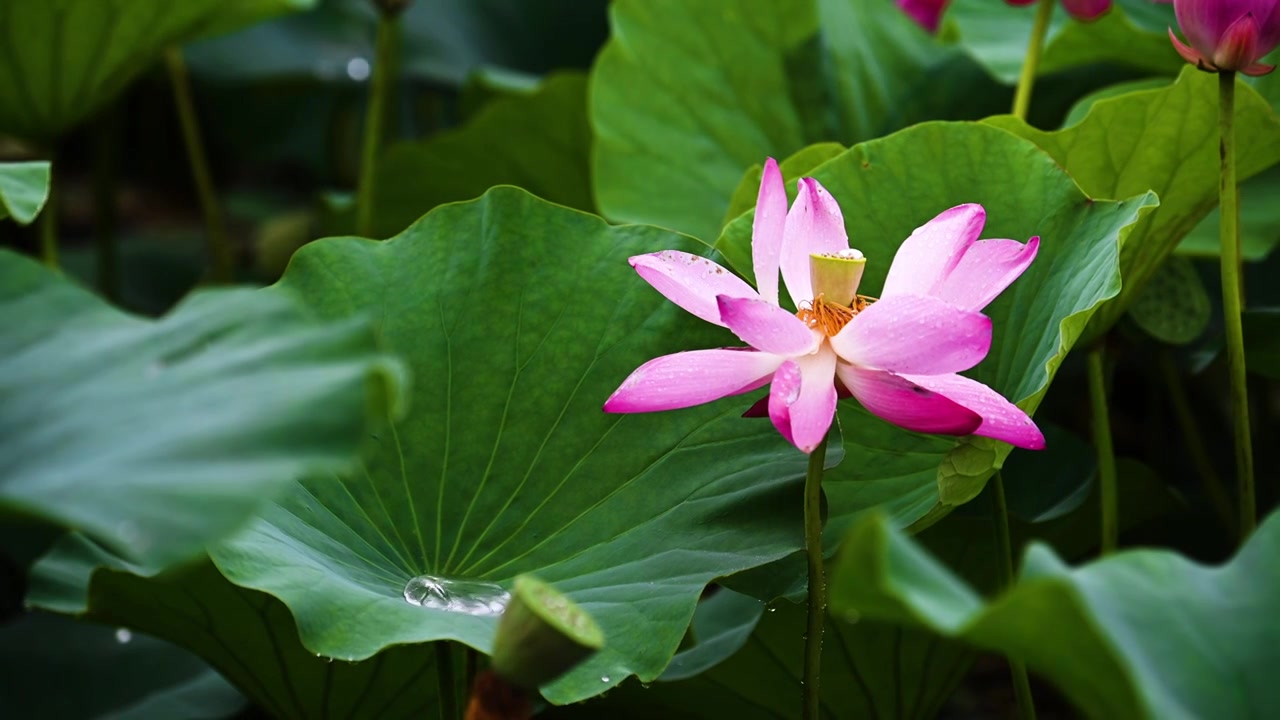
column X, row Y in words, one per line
column 829, row 318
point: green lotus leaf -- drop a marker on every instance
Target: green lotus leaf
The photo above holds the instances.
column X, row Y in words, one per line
column 24, row 188
column 688, row 95
column 1165, row 141
column 517, row 318
column 64, row 59
column 157, row 437
column 870, row 668
column 1139, row 634
column 56, row 668
column 540, row 142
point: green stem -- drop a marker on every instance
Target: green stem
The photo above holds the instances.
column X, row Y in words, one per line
column 1229, row 204
column 1106, row 454
column 221, row 257
column 1195, row 443
column 811, row 706
column 1031, row 63
column 380, row 92
column 105, row 165
column 446, row 680
column 1021, row 683
column 49, row 222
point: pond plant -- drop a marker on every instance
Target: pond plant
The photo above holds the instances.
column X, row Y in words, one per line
column 329, row 389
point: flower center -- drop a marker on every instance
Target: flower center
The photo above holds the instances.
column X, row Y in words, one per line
column 829, row 318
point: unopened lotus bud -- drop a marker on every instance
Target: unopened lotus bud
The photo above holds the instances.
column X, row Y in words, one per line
column 1227, row 35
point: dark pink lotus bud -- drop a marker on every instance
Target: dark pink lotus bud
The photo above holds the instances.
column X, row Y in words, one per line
column 1227, row 34
column 926, row 13
column 1079, row 9
column 1086, row 9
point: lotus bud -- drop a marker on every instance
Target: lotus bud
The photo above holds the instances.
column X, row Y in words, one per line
column 1227, row 35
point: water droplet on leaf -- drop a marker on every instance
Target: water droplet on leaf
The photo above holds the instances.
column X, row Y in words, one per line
column 469, row 597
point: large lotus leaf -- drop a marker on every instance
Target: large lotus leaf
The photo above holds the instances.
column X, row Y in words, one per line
column 444, row 40
column 63, row 59
column 1132, row 33
column 24, row 187
column 889, row 187
column 1161, row 140
column 1140, row 634
column 156, row 437
column 1082, row 106
column 56, row 668
column 870, row 669
column 518, row 318
column 247, row 636
column 686, row 96
column 540, row 142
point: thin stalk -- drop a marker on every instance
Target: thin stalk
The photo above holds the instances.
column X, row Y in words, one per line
column 1021, row 683
column 811, row 706
column 1106, row 453
column 380, row 92
column 1229, row 236
column 470, row 665
column 1031, row 63
column 446, row 680
column 221, row 257
column 49, row 224
column 1195, row 443
column 105, row 175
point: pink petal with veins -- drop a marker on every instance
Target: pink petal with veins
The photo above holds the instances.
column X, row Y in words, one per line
column 926, row 258
column 815, row 226
column 692, row 378
column 766, row 230
column 915, row 334
column 1001, row 419
column 767, row 327
column 907, row 404
column 985, row 270
column 802, row 399
column 690, row 281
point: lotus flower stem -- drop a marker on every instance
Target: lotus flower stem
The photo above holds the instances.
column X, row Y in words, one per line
column 1191, row 436
column 1017, row 668
column 49, row 223
column 812, row 707
column 1229, row 204
column 446, row 681
column 1106, row 453
column 1022, row 99
column 221, row 258
column 106, row 162
column 381, row 90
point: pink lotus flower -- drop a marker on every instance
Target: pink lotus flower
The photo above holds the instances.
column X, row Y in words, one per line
column 899, row 355
column 1227, row 34
column 928, row 13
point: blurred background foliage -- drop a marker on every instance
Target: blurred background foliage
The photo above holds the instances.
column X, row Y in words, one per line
column 492, row 92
